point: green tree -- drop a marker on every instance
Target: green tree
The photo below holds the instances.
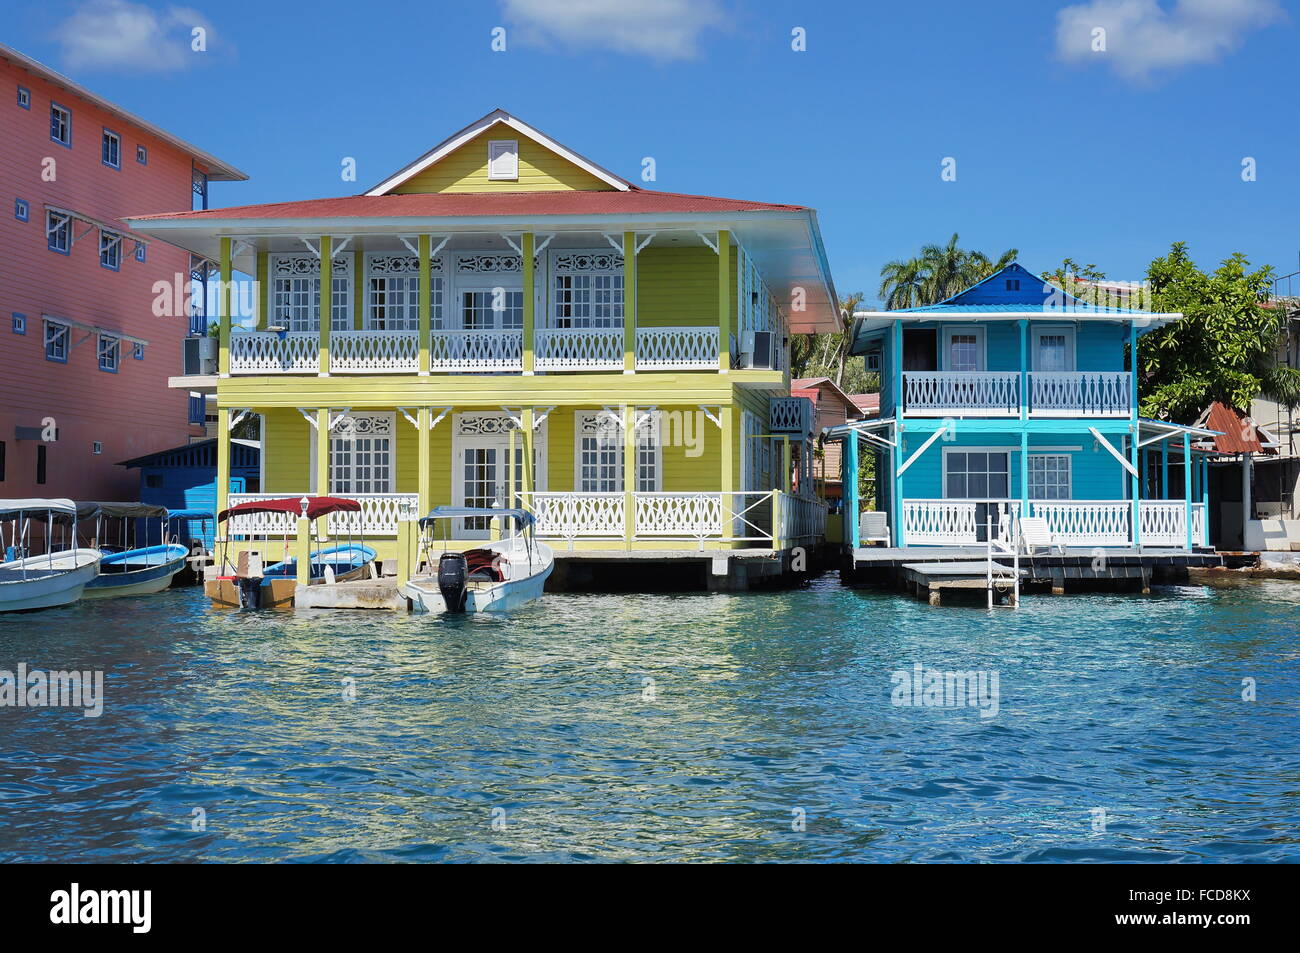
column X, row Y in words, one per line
column 826, row 355
column 1224, row 348
column 940, row 272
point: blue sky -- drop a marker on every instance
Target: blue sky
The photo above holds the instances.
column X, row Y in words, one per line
column 1104, row 156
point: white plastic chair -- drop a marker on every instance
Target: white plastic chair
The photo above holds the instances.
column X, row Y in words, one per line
column 1035, row 534
column 874, row 528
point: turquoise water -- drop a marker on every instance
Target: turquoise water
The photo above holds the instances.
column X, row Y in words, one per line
column 540, row 738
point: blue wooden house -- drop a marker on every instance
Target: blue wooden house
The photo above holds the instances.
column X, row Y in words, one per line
column 1016, row 399
column 185, row 478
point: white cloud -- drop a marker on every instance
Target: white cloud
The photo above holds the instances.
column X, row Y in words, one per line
column 119, row 34
column 661, row 29
column 1143, row 37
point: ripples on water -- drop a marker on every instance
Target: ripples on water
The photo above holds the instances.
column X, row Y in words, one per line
column 759, row 704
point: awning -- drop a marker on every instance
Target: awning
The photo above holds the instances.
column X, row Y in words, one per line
column 524, row 517
column 188, row 514
column 34, row 506
column 317, row 506
column 120, row 510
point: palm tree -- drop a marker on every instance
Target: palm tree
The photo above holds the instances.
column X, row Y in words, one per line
column 901, row 283
column 945, row 270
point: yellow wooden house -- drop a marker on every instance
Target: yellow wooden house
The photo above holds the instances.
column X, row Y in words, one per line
column 511, row 324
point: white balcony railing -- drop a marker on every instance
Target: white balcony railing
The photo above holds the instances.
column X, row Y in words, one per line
column 694, row 516
column 379, row 515
column 1078, row 523
column 1080, row 393
column 476, row 352
column 965, row 393
column 374, row 352
column 578, row 349
column 682, row 349
column 274, row 352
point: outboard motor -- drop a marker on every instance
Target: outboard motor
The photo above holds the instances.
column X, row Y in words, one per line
column 250, row 592
column 453, row 580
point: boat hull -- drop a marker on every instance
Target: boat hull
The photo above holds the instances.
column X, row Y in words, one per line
column 506, row 596
column 65, row 584
column 136, row 582
column 276, row 593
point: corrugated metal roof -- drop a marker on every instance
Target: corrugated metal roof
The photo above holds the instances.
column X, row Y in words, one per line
column 1237, row 432
column 423, row 205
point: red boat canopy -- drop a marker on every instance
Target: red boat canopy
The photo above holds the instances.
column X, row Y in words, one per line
column 317, row 506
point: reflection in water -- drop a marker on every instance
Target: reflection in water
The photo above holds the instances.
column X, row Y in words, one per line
column 629, row 727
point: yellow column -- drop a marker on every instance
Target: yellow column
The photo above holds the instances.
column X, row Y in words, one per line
column 530, row 317
column 727, row 476
column 326, row 296
column 724, row 301
column 302, row 551
column 527, row 474
column 223, row 458
column 223, row 310
column 405, row 529
column 629, row 302
column 322, row 462
column 785, row 463
column 260, row 299
column 425, row 477
column 629, row 474
column 426, row 305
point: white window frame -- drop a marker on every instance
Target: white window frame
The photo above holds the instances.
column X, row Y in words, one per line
column 1071, row 352
column 981, row 347
column 586, row 267
column 109, row 347
column 497, row 316
column 378, row 426
column 1068, row 470
column 969, row 450
column 649, row 445
column 59, row 330
column 306, row 317
column 497, row 151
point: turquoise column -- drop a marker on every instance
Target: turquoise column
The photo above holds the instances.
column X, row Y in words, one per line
column 1164, row 469
column 1024, row 368
column 1133, row 430
column 895, row 453
column 849, row 480
column 1187, row 484
column 1205, row 500
column 1024, row 472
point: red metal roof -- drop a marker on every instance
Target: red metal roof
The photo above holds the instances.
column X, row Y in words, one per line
column 456, row 204
column 1239, row 434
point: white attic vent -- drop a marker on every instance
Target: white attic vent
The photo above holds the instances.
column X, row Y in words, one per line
column 503, row 159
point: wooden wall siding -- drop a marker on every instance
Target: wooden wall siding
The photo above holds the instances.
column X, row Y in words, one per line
column 465, row 170
column 678, row 287
column 1095, row 475
column 132, row 412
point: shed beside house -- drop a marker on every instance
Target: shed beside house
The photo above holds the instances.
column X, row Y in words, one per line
column 831, row 407
column 185, row 478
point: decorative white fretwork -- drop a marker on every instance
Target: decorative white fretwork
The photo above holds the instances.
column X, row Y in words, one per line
column 578, row 349
column 269, row 352
column 473, row 425
column 374, row 352
column 488, row 263
column 574, row 263
column 676, row 348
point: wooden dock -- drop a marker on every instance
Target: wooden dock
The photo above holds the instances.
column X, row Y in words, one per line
column 931, row 579
column 1105, row 568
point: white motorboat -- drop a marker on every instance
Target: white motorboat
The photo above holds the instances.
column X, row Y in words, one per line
column 56, row 577
column 497, row 577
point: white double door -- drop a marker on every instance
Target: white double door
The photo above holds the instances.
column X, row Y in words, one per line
column 480, row 461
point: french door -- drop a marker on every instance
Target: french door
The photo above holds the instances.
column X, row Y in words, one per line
column 479, row 476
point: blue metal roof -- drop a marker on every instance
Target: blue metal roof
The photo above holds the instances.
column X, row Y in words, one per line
column 1014, row 289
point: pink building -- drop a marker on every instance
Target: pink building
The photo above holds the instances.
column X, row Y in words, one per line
column 84, row 361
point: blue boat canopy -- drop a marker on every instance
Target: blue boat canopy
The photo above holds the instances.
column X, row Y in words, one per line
column 190, row 515
column 523, row 517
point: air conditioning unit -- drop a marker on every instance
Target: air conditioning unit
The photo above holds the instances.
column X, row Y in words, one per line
column 200, row 356
column 756, row 349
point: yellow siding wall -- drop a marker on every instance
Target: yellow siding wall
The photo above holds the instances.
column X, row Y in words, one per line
column 465, row 170
column 677, row 286
column 681, row 473
column 286, row 442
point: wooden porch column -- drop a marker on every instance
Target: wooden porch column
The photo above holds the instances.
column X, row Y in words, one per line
column 426, row 306
column 629, row 474
column 326, row 303
column 1205, row 498
column 895, row 452
column 322, row 462
column 261, row 302
column 530, row 303
column 724, row 301
column 727, row 474
column 1024, row 473
column 527, row 474
column 1023, row 325
column 223, row 458
column 424, row 475
column 223, row 311
column 629, row 302
column 1187, row 483
column 1135, row 432
column 785, row 463
column 849, row 483
column 1164, row 469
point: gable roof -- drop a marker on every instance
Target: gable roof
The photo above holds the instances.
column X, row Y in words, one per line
column 811, row 387
column 478, row 127
column 217, row 171
column 1237, row 433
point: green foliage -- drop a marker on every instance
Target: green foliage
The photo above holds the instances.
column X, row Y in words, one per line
column 940, row 272
column 1225, row 346
column 826, row 355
